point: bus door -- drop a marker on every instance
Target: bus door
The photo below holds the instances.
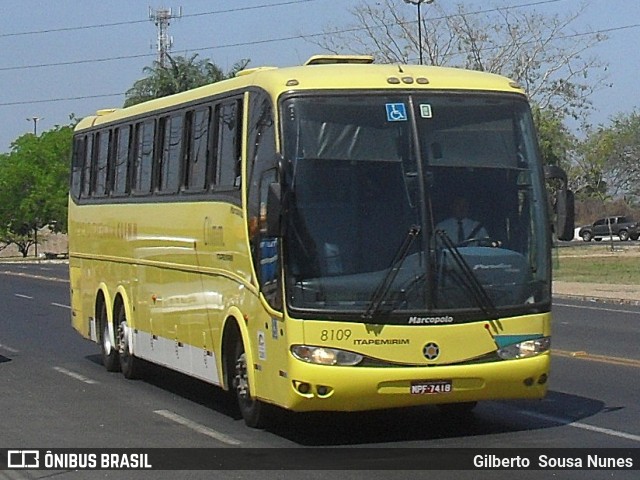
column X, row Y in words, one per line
column 221, row 245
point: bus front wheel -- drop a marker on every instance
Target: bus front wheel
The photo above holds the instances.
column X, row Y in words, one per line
column 253, row 411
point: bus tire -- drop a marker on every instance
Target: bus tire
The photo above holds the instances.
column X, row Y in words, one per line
column 253, row 411
column 110, row 358
column 130, row 365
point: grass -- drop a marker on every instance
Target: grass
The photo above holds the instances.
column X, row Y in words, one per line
column 598, row 264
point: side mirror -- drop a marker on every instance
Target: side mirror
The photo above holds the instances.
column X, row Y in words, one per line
column 274, row 210
column 565, row 215
column 562, row 204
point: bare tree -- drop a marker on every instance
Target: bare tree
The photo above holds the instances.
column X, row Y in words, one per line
column 544, row 53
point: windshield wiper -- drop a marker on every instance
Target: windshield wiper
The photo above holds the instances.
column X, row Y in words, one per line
column 469, row 280
column 383, row 288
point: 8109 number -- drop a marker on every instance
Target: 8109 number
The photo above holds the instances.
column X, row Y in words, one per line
column 339, row 335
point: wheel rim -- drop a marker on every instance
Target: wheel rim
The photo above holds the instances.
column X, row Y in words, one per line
column 241, row 378
column 123, row 339
column 106, row 340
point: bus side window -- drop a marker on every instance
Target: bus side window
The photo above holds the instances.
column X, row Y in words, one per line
column 229, row 122
column 101, row 169
column 171, row 131
column 88, row 163
column 77, row 165
column 198, row 149
column 143, row 159
column 121, row 159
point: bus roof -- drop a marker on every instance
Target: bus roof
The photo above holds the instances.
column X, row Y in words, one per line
column 324, row 72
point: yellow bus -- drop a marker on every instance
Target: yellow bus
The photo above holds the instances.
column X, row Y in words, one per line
column 281, row 235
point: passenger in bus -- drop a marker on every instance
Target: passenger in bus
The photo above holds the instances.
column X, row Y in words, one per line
column 459, row 227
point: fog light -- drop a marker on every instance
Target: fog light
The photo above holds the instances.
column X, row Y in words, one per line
column 303, row 387
column 323, row 391
column 543, row 379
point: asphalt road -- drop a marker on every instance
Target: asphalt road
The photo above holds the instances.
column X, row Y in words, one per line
column 55, row 394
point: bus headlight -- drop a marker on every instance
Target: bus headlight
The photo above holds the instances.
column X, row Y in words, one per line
column 528, row 348
column 325, row 356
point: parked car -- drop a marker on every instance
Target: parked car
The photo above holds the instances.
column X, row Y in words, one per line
column 623, row 227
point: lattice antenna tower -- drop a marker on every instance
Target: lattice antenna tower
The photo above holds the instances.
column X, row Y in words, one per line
column 162, row 18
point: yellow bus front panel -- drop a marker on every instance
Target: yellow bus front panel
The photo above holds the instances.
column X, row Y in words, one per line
column 395, row 371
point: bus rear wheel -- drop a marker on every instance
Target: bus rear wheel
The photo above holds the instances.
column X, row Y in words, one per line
column 110, row 358
column 253, row 411
column 129, row 364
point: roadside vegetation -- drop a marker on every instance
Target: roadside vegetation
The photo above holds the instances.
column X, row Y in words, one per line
column 598, row 264
column 34, row 179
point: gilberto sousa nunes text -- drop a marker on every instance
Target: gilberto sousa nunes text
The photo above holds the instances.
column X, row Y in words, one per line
column 552, row 462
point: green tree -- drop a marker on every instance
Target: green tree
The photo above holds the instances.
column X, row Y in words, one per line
column 556, row 141
column 180, row 74
column 34, row 180
column 610, row 161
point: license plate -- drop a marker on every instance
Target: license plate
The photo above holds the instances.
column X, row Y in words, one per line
column 431, row 388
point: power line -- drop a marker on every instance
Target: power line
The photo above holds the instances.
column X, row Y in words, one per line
column 77, row 62
column 260, row 42
column 273, row 40
column 61, row 99
column 217, row 12
column 27, row 102
column 134, row 22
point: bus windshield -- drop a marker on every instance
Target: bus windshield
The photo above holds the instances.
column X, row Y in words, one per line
column 367, row 172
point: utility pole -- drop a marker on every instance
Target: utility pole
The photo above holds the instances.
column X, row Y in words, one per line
column 35, row 124
column 418, row 3
column 162, row 18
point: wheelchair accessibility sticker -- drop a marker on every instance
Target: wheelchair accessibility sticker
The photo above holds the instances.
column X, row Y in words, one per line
column 396, row 112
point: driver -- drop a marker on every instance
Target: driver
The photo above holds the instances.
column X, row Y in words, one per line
column 459, row 227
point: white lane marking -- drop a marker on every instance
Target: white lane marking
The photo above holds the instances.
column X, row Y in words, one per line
column 37, row 277
column 8, row 349
column 583, row 426
column 197, row 427
column 19, row 295
column 585, row 307
column 60, row 305
column 75, row 375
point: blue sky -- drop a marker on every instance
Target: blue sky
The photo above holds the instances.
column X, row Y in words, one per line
column 46, row 59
